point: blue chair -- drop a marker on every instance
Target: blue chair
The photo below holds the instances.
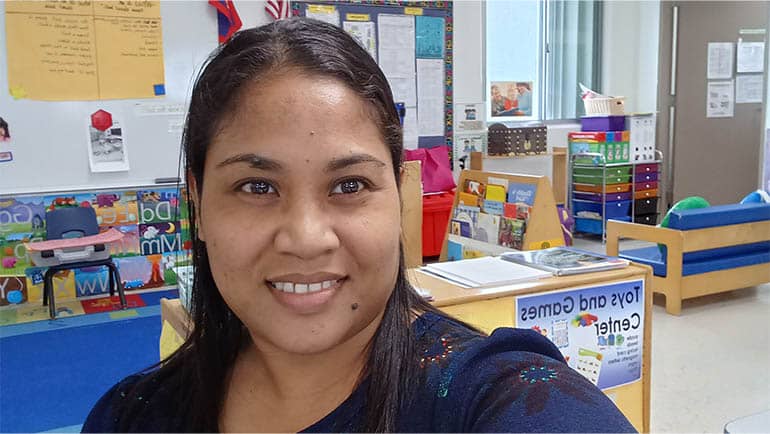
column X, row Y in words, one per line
column 65, row 223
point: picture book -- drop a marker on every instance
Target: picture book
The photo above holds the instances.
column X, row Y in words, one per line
column 495, row 192
column 563, row 261
column 488, row 271
column 512, row 233
column 468, row 214
column 522, row 193
column 468, row 199
column 474, row 187
column 493, row 207
column 509, row 210
column 461, row 228
column 487, row 228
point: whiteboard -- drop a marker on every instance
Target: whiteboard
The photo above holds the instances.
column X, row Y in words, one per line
column 49, row 140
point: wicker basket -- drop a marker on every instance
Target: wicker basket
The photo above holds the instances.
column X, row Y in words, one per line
column 605, row 106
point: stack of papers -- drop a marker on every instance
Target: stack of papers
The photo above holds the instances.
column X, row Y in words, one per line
column 488, row 271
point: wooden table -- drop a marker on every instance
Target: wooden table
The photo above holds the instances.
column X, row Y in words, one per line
column 490, row 308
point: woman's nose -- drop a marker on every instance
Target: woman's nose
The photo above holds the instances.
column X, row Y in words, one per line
column 306, row 231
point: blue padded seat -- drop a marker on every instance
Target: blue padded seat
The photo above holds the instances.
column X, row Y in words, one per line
column 703, row 261
column 719, row 215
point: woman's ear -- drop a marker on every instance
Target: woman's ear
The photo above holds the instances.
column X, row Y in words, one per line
column 195, row 197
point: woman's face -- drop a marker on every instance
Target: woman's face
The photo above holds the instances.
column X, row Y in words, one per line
column 300, row 214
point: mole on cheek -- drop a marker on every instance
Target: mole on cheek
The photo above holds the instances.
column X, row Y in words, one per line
column 354, row 306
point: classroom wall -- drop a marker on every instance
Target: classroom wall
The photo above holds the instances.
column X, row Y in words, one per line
column 630, row 52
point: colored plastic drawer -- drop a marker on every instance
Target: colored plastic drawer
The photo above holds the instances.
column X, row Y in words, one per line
column 613, row 188
column 614, row 209
column 642, row 194
column 646, row 219
column 648, row 185
column 597, row 197
column 607, row 171
column 609, row 179
column 644, row 177
column 593, row 226
column 646, row 206
column 646, row 168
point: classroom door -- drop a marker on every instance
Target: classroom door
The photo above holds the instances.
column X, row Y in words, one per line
column 713, row 157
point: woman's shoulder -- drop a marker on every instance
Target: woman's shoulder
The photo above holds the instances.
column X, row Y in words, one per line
column 144, row 392
column 511, row 380
column 449, row 336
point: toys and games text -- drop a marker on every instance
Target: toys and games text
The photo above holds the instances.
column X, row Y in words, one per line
column 569, row 305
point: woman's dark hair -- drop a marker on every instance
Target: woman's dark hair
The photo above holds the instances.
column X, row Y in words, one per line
column 200, row 367
column 4, row 126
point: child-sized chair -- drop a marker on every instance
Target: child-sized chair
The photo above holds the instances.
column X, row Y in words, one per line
column 73, row 241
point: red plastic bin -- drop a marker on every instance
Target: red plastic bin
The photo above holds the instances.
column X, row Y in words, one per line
column 436, row 209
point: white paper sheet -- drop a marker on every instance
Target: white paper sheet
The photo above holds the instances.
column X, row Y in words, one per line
column 720, row 60
column 720, row 99
column 327, row 16
column 107, row 149
column 410, row 128
column 363, row 32
column 748, row 88
column 751, row 57
column 404, row 90
column 430, row 96
column 469, row 117
column 396, row 55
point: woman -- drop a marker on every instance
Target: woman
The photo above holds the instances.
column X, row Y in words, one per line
column 303, row 319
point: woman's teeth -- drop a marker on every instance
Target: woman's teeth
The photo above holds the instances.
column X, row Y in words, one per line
column 302, row 288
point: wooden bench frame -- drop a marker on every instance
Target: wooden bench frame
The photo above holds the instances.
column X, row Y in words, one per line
column 676, row 287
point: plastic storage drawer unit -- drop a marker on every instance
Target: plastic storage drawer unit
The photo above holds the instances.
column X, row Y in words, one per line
column 646, row 168
column 597, row 197
column 593, row 226
column 646, row 206
column 598, row 171
column 614, row 209
column 646, row 219
column 644, row 177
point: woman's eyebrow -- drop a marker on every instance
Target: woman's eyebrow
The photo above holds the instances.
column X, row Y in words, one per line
column 254, row 161
column 351, row 160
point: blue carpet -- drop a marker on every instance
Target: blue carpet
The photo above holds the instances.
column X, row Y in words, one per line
column 152, row 298
column 50, row 379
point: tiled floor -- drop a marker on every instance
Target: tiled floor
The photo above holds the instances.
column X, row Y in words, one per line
column 711, row 364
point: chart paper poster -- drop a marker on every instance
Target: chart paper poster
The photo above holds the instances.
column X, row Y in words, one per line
column 429, row 37
column 396, row 56
column 430, row 94
column 720, row 60
column 326, row 13
column 750, row 57
column 84, row 50
column 599, row 329
column 364, row 33
column 720, row 99
column 748, row 88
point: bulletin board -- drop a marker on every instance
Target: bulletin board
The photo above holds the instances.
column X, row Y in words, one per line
column 413, row 66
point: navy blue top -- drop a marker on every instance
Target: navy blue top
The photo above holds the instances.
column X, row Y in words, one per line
column 511, row 381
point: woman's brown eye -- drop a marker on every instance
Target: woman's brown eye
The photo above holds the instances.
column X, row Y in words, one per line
column 347, row 187
column 257, row 187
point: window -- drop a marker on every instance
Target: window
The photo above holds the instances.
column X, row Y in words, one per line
column 537, row 51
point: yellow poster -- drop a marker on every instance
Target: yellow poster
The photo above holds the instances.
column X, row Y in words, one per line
column 84, row 50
